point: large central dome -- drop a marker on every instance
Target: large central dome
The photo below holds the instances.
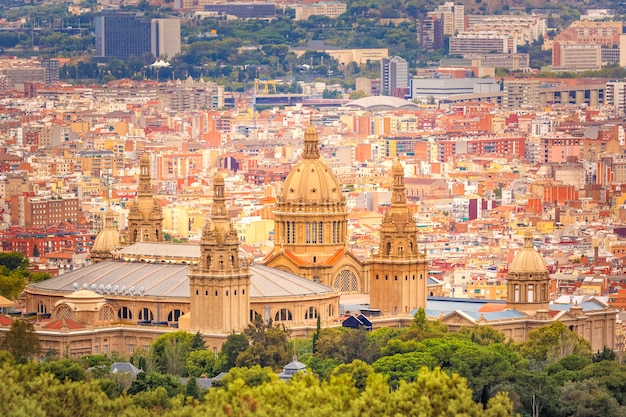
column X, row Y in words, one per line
column 311, row 216
column 311, row 183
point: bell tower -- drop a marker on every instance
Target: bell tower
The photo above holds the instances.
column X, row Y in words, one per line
column 145, row 218
column 220, row 283
column 398, row 272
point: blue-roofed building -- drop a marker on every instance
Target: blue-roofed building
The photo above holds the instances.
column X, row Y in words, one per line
column 528, row 306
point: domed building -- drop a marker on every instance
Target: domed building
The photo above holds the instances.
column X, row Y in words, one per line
column 311, row 225
column 529, row 307
column 528, row 279
column 138, row 292
column 107, row 240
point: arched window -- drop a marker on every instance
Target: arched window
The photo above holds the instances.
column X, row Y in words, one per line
column 146, row 314
column 331, row 310
column 106, row 313
column 174, row 315
column 64, row 312
column 516, row 293
column 346, row 281
column 388, row 248
column 283, row 315
column 124, row 313
column 254, row 315
column 41, row 308
column 311, row 313
column 531, row 293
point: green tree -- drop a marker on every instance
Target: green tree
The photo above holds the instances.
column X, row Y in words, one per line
column 232, row 347
column 65, row 369
column 21, row 341
column 358, row 370
column 12, row 284
column 483, row 335
column 13, row 260
column 422, row 328
column 203, row 362
column 553, row 342
column 269, row 348
column 588, row 398
column 169, row 352
column 252, row 377
column 405, row 366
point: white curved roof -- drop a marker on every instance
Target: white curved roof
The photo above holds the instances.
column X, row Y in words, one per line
column 373, row 103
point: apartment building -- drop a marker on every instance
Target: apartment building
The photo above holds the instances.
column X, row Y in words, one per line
column 523, row 28
column 452, row 17
column 332, row 9
column 576, row 57
column 31, row 211
column 482, row 43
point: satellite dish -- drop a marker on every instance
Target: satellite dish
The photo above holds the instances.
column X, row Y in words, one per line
column 75, row 286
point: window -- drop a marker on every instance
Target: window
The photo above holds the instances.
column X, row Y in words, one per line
column 124, row 313
column 174, row 315
column 311, row 313
column 146, row 314
column 283, row 315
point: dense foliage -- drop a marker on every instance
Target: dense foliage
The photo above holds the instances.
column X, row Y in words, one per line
column 419, row 370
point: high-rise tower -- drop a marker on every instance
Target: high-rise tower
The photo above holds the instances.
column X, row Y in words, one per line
column 220, row 283
column 398, row 272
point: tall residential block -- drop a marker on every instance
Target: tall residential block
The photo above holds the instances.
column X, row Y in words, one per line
column 394, row 74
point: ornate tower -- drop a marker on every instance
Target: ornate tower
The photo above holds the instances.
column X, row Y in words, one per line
column 145, row 219
column 220, row 283
column 107, row 239
column 311, row 225
column 528, row 280
column 398, row 272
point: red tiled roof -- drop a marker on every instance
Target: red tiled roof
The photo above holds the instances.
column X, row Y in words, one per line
column 5, row 321
column 63, row 323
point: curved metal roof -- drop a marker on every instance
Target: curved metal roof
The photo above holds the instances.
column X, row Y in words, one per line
column 377, row 103
column 170, row 280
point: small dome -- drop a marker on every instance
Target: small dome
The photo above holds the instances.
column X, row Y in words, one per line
column 108, row 238
column 84, row 295
column 106, row 241
column 528, row 260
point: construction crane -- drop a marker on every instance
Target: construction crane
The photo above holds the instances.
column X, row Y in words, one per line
column 264, row 84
